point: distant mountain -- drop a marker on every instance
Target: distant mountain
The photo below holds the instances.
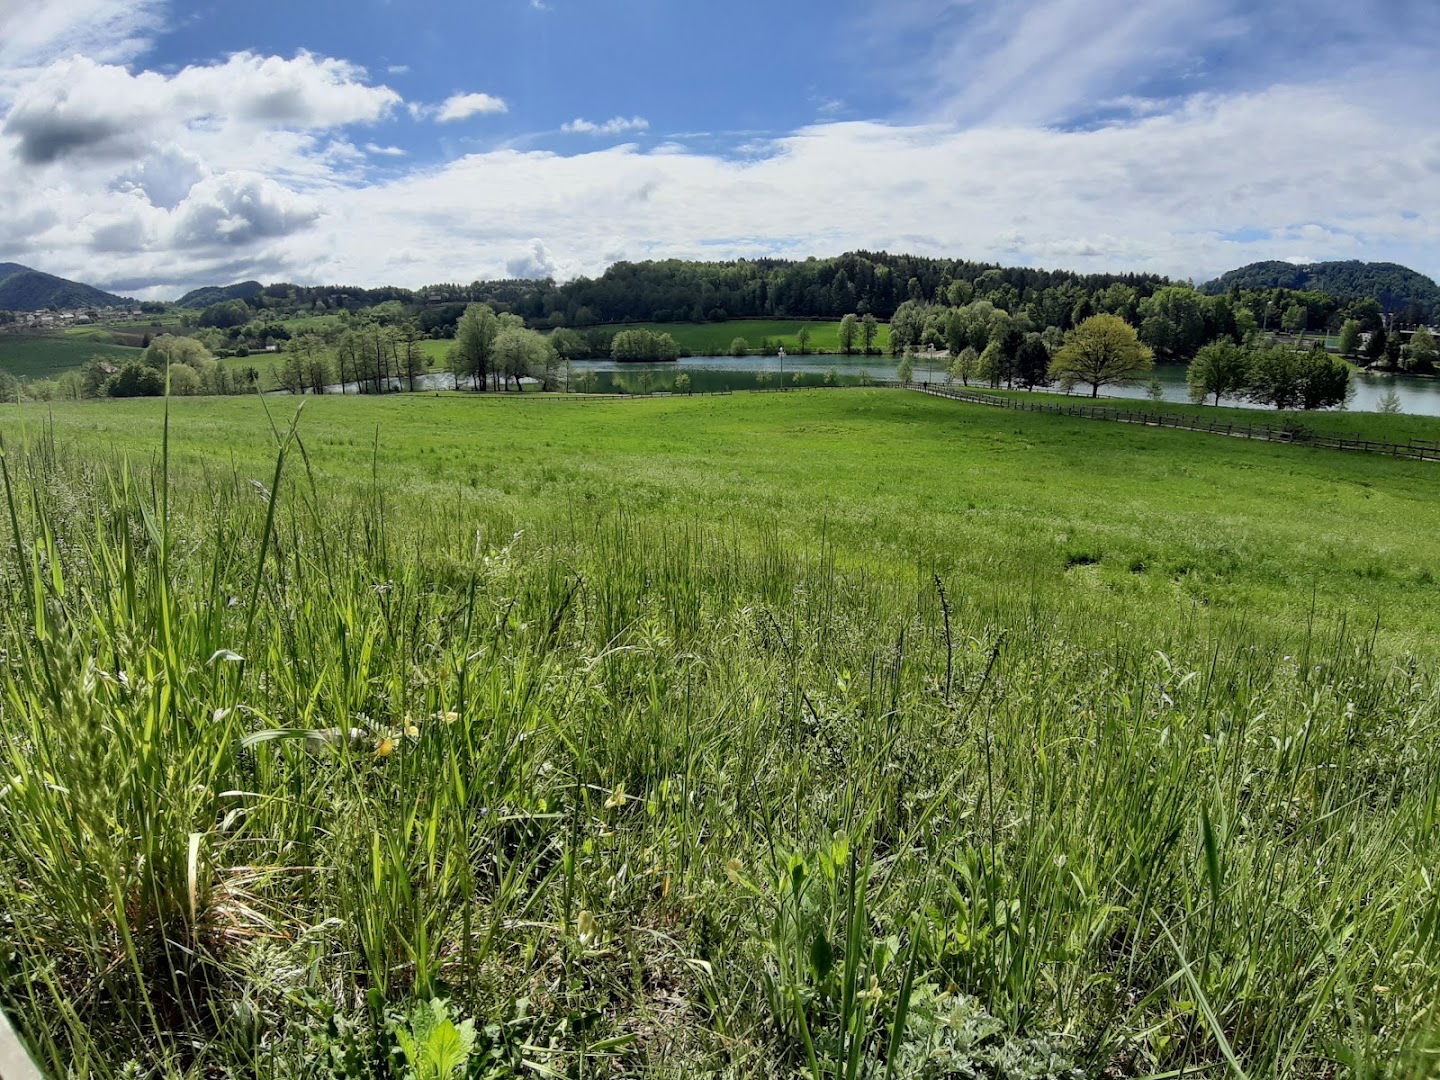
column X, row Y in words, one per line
column 218, row 294
column 1398, row 288
column 24, row 289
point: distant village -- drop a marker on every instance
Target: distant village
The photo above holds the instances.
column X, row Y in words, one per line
column 52, row 319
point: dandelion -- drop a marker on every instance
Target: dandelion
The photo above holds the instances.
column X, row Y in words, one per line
column 587, row 929
column 385, row 747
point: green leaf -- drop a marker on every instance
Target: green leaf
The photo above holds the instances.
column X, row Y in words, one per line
column 1212, row 855
column 822, row 956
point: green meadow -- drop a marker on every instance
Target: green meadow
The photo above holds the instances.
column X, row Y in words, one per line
column 43, row 356
column 849, row 733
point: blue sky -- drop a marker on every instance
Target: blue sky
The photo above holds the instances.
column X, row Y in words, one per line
column 151, row 145
column 746, row 66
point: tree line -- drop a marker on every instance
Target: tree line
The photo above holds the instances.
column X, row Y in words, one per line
column 1221, row 337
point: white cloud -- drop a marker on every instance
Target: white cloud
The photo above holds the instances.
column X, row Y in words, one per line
column 618, row 125
column 34, row 32
column 1160, row 194
column 80, row 107
column 463, row 106
column 535, row 264
column 153, row 182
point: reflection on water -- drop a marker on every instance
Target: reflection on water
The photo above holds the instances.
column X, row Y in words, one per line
column 707, row 374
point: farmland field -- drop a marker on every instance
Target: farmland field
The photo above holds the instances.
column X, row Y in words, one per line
column 822, row 733
column 43, row 356
column 713, row 339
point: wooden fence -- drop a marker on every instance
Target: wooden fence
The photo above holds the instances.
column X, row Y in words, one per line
column 1413, row 451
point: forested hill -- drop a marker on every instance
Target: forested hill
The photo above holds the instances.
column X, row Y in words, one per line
column 860, row 282
column 684, row 291
column 24, row 289
column 1400, row 290
column 218, row 294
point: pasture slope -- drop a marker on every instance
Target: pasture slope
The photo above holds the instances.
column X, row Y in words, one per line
column 44, row 356
column 827, row 733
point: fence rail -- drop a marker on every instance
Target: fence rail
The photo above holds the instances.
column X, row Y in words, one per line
column 1413, row 451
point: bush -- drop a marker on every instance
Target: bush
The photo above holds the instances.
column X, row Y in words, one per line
column 135, row 380
column 644, row 345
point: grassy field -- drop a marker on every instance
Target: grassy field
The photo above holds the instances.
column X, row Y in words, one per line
column 713, row 339
column 43, row 356
column 1378, row 427
column 836, row 733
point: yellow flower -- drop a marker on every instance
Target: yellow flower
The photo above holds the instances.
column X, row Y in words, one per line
column 617, row 798
column 587, row 929
column 412, row 731
column 451, row 717
column 385, row 747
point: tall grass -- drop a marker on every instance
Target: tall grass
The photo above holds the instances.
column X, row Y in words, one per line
column 284, row 760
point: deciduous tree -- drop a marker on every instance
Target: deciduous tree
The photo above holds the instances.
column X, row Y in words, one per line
column 1421, row 355
column 1104, row 350
column 1349, row 337
column 869, row 331
column 1219, row 368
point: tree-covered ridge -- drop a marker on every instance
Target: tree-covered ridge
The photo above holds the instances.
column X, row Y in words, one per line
column 676, row 290
column 1400, row 290
column 24, row 289
column 219, row 294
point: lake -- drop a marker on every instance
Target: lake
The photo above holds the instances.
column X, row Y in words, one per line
column 1418, row 396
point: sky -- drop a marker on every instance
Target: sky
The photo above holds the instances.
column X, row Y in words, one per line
column 152, row 146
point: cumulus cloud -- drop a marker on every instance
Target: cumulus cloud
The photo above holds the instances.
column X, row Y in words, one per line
column 238, row 209
column 79, row 106
column 535, row 264
column 166, row 175
column 464, row 106
column 618, row 125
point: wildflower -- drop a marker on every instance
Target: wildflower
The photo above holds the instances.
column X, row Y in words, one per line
column 451, row 717
column 617, row 797
column 385, row 747
column 587, row 929
column 412, row 731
